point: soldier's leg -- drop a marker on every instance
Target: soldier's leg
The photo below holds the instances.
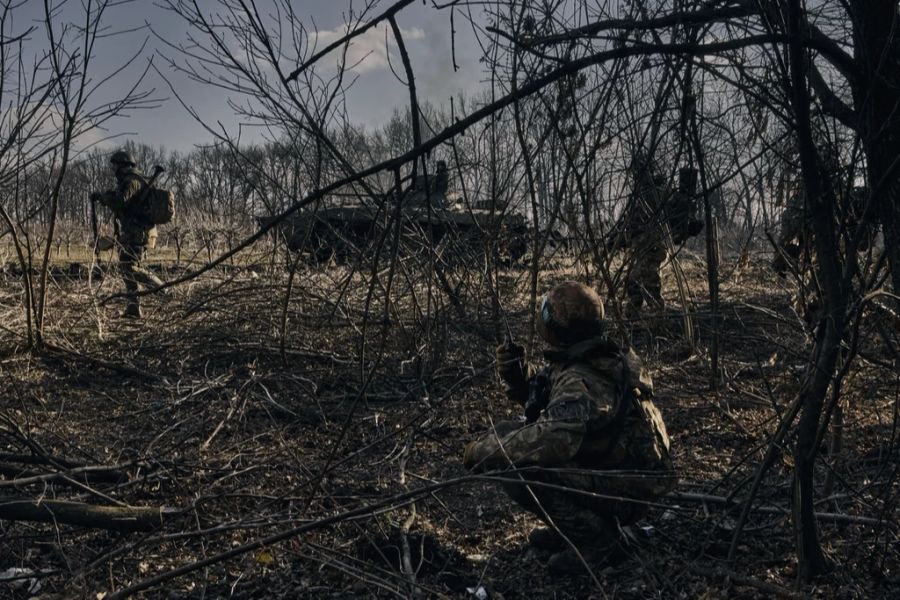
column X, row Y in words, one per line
column 503, row 428
column 129, row 257
column 141, row 274
column 634, row 295
column 644, row 282
column 651, row 278
column 570, row 512
column 592, row 524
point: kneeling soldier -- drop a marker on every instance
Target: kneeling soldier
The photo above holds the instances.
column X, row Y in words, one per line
column 596, row 444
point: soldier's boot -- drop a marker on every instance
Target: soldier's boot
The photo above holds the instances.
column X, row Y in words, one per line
column 633, row 306
column 604, row 550
column 545, row 538
column 132, row 311
column 599, row 553
column 595, row 536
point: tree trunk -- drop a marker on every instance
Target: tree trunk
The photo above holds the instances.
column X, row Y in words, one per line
column 877, row 100
column 811, row 559
column 820, row 203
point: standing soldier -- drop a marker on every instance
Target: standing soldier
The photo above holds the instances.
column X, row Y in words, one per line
column 795, row 249
column 648, row 249
column 652, row 210
column 595, row 443
column 135, row 231
column 641, row 231
column 793, row 235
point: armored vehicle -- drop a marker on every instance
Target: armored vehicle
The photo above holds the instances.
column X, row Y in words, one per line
column 431, row 216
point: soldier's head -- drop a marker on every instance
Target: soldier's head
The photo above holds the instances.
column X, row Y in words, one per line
column 121, row 159
column 570, row 313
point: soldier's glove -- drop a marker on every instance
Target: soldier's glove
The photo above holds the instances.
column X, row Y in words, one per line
column 103, row 198
column 511, row 364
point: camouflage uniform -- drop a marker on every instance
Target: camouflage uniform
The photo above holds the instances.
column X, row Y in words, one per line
column 796, row 249
column 793, row 235
column 135, row 234
column 619, row 450
column 647, row 244
column 644, row 282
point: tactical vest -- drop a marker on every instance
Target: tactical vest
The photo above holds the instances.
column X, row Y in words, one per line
column 624, row 427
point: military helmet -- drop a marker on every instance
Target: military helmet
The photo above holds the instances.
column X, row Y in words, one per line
column 570, row 312
column 122, row 157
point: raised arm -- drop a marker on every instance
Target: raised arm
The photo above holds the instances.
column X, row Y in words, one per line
column 514, row 372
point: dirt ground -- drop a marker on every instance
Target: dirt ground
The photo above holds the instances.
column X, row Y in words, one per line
column 208, row 409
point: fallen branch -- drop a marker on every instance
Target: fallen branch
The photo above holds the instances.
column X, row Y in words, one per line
column 777, row 510
column 385, row 505
column 118, row 518
column 22, row 477
column 99, row 474
column 63, row 353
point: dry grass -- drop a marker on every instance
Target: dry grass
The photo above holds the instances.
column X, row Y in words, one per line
column 249, row 440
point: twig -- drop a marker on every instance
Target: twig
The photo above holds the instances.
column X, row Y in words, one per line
column 777, row 510
column 727, row 574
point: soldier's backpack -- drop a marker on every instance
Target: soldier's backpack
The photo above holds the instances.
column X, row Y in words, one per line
column 682, row 209
column 158, row 205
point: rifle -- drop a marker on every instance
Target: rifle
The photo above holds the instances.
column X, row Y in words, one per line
column 157, row 171
column 95, row 226
column 148, row 184
column 538, row 386
column 538, row 396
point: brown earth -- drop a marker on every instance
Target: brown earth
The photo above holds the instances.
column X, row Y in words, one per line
column 206, row 408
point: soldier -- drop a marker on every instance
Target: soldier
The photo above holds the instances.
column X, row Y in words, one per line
column 596, row 440
column 652, row 207
column 648, row 250
column 795, row 240
column 135, row 232
column 793, row 234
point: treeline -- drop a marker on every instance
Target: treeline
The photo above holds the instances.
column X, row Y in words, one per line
column 576, row 184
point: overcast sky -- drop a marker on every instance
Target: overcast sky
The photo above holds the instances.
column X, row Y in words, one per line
column 371, row 101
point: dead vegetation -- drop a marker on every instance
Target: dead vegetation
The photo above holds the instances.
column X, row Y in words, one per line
column 282, row 427
column 327, row 464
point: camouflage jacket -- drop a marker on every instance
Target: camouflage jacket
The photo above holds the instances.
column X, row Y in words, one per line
column 134, row 228
column 643, row 217
column 796, row 223
column 647, row 204
column 585, row 423
column 794, row 219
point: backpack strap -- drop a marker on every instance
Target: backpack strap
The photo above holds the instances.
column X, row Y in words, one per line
column 629, row 389
column 627, row 401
